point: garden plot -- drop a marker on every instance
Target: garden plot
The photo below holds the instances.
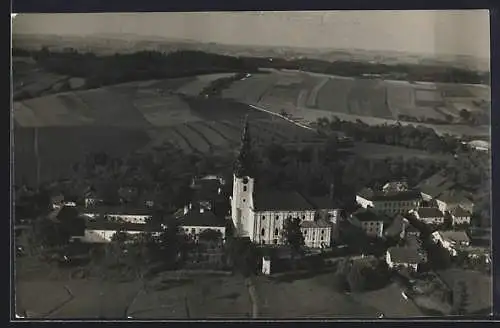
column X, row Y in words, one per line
column 215, row 137
column 165, row 111
column 196, row 141
column 400, row 99
column 313, row 95
column 281, row 96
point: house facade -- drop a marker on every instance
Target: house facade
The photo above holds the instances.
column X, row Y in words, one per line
column 460, row 216
column 123, row 214
column 389, row 202
column 451, row 240
column 193, row 223
column 429, row 215
column 370, row 222
column 403, row 257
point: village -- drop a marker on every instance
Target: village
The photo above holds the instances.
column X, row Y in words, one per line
column 399, row 232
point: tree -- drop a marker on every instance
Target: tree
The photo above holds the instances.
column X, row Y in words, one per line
column 210, row 235
column 292, row 235
column 465, row 114
column 170, row 242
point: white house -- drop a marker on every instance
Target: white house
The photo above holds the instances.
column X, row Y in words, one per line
column 403, row 257
column 451, row 240
column 429, row 215
column 370, row 222
column 389, row 202
column 102, row 231
column 266, row 265
column 480, row 145
column 118, row 213
column 460, row 216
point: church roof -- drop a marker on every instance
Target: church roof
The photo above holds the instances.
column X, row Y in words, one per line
column 279, row 200
column 244, row 164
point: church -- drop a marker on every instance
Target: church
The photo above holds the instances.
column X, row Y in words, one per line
column 261, row 214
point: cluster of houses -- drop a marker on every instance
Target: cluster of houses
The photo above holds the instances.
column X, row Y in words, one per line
column 260, row 214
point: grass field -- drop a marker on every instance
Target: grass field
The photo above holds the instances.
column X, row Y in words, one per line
column 479, row 288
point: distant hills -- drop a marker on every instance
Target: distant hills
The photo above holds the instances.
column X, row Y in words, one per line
column 105, row 44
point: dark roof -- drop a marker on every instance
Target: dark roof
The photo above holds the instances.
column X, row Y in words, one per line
column 454, row 196
column 315, row 224
column 459, row 212
column 205, row 219
column 115, row 226
column 389, row 196
column 456, row 236
column 323, row 203
column 429, row 212
column 404, row 255
column 367, row 215
column 280, row 200
column 395, row 227
column 124, row 210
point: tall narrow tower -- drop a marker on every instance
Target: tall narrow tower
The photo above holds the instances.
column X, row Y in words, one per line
column 243, row 187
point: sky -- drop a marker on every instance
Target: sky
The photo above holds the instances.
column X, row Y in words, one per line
column 457, row 32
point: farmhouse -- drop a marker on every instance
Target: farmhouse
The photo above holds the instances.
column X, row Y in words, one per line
column 370, row 222
column 260, row 214
column 429, row 215
column 403, row 257
column 195, row 222
column 389, row 202
column 118, row 213
column 451, row 240
column 460, row 216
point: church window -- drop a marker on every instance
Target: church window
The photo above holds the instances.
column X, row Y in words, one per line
column 276, row 231
column 275, row 241
column 321, row 238
column 263, row 232
column 263, row 217
column 244, row 188
column 244, row 200
column 322, row 232
column 303, row 217
column 289, row 217
column 277, row 217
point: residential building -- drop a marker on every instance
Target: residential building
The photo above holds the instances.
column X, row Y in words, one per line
column 434, row 186
column 395, row 186
column 390, row 202
column 429, row 215
column 102, row 231
column 266, row 265
column 260, row 213
column 207, row 191
column 118, row 213
column 451, row 240
column 403, row 257
column 460, row 216
column 370, row 222
column 480, row 145
column 57, row 201
column 195, row 222
column 452, row 198
column 410, row 229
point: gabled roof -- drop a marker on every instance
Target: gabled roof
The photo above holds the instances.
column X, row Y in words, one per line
column 455, row 196
column 369, row 216
column 459, row 212
column 406, row 195
column 429, row 212
column 404, row 255
column 278, row 200
column 395, row 227
column 323, row 203
column 454, row 236
column 205, row 219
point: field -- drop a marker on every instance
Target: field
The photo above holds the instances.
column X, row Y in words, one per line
column 479, row 288
column 31, row 80
column 123, row 118
column 374, row 101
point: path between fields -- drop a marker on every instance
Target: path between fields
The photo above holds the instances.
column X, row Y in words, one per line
column 283, row 117
column 253, row 297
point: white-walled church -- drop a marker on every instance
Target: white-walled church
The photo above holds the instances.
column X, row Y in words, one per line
column 261, row 214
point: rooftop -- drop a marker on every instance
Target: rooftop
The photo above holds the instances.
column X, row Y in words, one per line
column 323, row 203
column 119, row 210
column 459, row 212
column 480, row 143
column 454, row 236
column 205, row 219
column 369, row 216
column 316, row 224
column 455, row 196
column 115, row 226
column 429, row 212
column 404, row 255
column 279, row 200
column 406, row 195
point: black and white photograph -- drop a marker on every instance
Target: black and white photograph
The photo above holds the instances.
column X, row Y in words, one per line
column 251, row 165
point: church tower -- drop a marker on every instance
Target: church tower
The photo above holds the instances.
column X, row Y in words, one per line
column 243, row 187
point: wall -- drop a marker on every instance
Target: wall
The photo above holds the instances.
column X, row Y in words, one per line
column 373, row 228
column 313, row 237
column 272, row 220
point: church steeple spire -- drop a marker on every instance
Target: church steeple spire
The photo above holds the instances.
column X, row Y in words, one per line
column 244, row 162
